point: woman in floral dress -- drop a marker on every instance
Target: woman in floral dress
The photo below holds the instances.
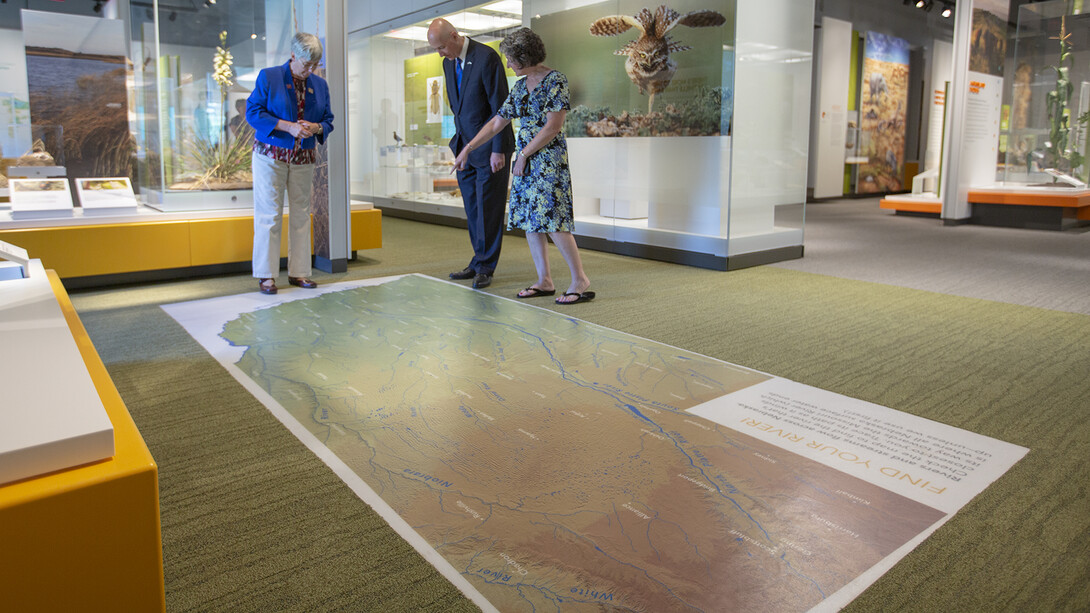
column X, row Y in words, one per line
column 541, row 200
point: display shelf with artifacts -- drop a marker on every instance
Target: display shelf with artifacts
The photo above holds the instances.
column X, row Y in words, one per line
column 417, row 178
column 1043, row 182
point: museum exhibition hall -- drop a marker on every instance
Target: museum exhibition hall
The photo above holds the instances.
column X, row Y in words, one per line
column 837, row 356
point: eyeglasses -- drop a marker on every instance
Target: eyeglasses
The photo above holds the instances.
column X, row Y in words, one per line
column 311, row 66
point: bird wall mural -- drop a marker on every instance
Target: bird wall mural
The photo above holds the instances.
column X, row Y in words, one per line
column 649, row 64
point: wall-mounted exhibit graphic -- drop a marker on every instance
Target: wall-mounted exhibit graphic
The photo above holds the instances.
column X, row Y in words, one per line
column 544, row 463
column 883, row 97
column 14, row 99
column 76, row 73
column 437, row 99
column 988, row 46
column 642, row 84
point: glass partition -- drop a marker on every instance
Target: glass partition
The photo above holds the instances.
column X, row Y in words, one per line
column 1049, row 97
column 650, row 128
column 400, row 117
column 197, row 65
column 657, row 166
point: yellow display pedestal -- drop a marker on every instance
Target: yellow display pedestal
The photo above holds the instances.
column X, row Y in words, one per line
column 89, row 250
column 87, row 538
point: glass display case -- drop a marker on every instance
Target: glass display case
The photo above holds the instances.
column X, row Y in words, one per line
column 1049, row 94
column 196, row 67
column 652, row 146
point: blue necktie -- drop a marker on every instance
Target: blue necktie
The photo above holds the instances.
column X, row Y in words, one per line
column 458, row 74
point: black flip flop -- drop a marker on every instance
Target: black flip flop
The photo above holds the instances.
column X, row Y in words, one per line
column 535, row 292
column 584, row 297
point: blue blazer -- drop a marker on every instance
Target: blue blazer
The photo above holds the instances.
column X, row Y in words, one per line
column 483, row 91
column 273, row 99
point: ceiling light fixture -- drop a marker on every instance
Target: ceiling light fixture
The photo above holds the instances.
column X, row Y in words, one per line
column 947, row 10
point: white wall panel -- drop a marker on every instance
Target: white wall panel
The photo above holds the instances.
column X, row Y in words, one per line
column 831, row 118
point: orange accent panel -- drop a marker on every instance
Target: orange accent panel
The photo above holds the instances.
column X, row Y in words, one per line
column 87, row 538
column 996, row 197
column 913, row 207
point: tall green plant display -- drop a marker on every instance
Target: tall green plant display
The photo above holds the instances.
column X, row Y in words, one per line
column 223, row 159
column 1060, row 156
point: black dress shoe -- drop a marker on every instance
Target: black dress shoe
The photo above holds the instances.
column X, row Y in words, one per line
column 465, row 273
column 482, row 281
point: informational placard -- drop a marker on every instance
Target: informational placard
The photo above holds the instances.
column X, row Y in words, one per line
column 982, row 111
column 106, row 195
column 40, row 198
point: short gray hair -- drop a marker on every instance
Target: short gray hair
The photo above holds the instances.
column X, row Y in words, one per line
column 524, row 46
column 306, row 47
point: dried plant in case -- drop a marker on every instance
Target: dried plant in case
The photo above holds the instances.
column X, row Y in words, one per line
column 220, row 162
column 37, row 156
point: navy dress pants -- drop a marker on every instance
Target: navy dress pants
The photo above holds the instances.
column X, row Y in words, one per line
column 484, row 195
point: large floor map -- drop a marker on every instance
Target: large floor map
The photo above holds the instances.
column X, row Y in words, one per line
column 556, row 465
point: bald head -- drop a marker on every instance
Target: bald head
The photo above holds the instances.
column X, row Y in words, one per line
column 444, row 38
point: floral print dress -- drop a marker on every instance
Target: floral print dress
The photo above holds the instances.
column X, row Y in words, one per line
column 541, row 199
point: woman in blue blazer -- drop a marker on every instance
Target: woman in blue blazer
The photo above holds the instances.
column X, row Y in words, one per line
column 289, row 111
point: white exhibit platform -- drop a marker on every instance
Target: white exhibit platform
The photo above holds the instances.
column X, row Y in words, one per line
column 51, row 417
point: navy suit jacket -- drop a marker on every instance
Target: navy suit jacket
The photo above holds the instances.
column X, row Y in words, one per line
column 273, row 99
column 482, row 93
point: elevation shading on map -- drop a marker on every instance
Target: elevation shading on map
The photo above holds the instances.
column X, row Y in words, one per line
column 553, row 463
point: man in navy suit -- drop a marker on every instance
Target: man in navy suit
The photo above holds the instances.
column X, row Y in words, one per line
column 476, row 89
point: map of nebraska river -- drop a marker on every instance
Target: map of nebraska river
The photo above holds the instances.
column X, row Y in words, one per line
column 552, row 462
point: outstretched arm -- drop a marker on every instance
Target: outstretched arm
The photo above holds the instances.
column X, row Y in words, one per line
column 488, row 130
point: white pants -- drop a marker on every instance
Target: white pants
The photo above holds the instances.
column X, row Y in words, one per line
column 271, row 178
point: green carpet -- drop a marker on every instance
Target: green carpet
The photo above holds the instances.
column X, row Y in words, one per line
column 252, row 521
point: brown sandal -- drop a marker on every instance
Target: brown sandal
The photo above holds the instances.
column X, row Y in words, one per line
column 266, row 286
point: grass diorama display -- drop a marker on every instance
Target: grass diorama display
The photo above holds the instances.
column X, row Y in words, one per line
column 85, row 95
column 218, row 161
